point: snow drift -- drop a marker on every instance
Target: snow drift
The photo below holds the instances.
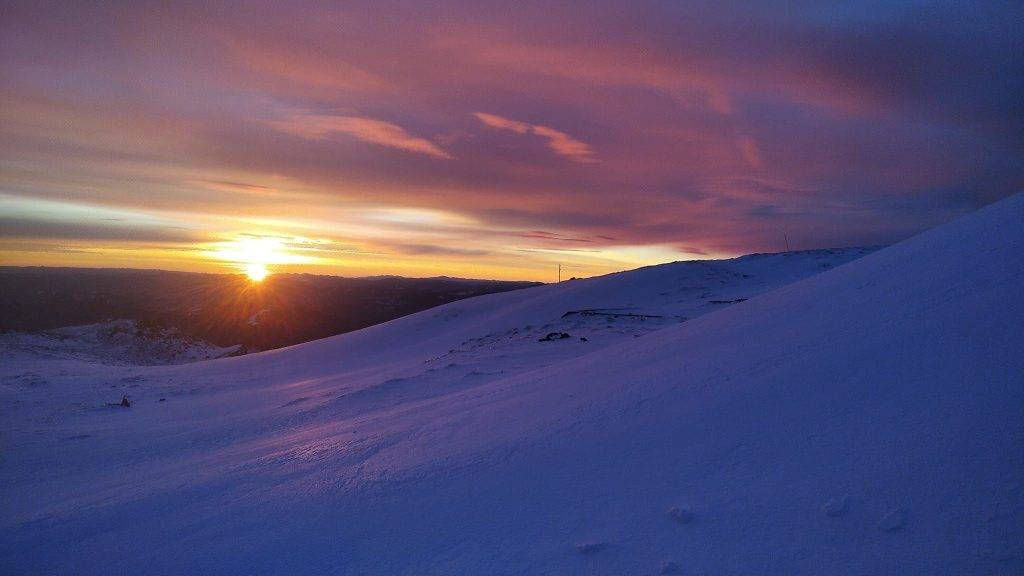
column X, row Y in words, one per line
column 865, row 420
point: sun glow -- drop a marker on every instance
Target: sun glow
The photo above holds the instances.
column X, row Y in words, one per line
column 253, row 255
column 256, row 272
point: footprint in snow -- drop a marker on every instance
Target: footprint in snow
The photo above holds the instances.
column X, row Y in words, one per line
column 670, row 567
column 894, row 521
column 476, row 373
column 834, row 508
column 590, row 547
column 680, row 515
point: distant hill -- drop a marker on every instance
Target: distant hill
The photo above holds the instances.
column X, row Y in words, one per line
column 221, row 309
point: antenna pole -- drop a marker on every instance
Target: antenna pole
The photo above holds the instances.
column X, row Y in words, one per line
column 785, row 234
column 559, row 272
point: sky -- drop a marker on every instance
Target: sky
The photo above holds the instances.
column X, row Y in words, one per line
column 495, row 139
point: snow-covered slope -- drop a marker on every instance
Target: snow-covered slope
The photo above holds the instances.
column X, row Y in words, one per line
column 602, row 310
column 866, row 420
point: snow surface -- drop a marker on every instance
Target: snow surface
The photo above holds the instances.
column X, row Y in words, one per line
column 864, row 420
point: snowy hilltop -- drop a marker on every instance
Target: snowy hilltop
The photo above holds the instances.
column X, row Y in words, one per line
column 824, row 412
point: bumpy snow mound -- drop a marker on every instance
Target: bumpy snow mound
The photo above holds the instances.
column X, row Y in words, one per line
column 117, row 342
column 865, row 420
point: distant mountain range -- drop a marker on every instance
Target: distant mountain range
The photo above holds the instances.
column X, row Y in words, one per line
column 222, row 309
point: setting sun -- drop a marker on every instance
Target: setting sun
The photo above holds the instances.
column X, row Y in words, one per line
column 253, row 255
column 256, row 272
column 256, row 253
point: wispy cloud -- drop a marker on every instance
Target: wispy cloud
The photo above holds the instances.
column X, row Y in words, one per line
column 750, row 151
column 618, row 65
column 433, row 250
column 318, row 127
column 544, row 235
column 559, row 142
column 285, row 66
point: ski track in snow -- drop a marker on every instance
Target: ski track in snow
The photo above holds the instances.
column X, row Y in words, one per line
column 865, row 420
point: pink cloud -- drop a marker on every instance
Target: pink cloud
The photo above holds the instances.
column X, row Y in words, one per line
column 559, row 142
column 317, row 127
column 750, row 151
column 620, row 65
column 268, row 61
column 503, row 123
